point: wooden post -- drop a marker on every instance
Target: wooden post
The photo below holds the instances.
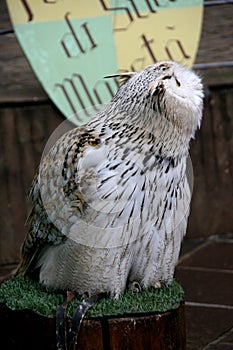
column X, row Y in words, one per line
column 151, row 331
column 146, row 331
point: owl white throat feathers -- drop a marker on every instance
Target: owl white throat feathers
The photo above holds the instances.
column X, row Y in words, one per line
column 111, row 198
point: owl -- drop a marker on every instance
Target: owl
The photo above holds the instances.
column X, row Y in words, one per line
column 111, row 198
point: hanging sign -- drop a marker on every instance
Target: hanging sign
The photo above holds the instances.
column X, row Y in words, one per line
column 72, row 44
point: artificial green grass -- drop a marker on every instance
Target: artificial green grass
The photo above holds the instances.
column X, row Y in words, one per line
column 20, row 293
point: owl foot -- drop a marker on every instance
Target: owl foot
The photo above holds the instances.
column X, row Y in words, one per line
column 157, row 285
column 135, row 287
column 166, row 284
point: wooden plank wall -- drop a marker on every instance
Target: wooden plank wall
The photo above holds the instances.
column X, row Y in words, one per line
column 28, row 117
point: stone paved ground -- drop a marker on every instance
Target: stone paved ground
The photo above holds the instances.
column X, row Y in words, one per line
column 206, row 273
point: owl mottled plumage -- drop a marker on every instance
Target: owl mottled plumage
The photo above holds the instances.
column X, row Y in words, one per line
column 111, row 198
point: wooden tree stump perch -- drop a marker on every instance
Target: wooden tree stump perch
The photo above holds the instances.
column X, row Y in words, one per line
column 152, row 319
column 24, row 329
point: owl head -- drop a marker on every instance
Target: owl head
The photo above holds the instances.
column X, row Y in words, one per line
column 168, row 90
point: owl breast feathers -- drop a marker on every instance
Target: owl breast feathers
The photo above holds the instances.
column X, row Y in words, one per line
column 111, row 198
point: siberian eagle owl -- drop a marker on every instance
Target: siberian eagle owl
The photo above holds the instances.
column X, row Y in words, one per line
column 111, row 198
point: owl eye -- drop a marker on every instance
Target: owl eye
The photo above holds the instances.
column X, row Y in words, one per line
column 163, row 67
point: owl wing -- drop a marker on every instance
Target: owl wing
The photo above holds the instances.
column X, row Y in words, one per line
column 45, row 191
column 41, row 231
column 85, row 193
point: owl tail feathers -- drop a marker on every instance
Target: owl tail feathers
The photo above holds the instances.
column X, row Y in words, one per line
column 22, row 269
column 68, row 341
column 26, row 265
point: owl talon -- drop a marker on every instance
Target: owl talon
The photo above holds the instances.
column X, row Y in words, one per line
column 135, row 287
column 86, row 295
column 157, row 285
column 166, row 284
